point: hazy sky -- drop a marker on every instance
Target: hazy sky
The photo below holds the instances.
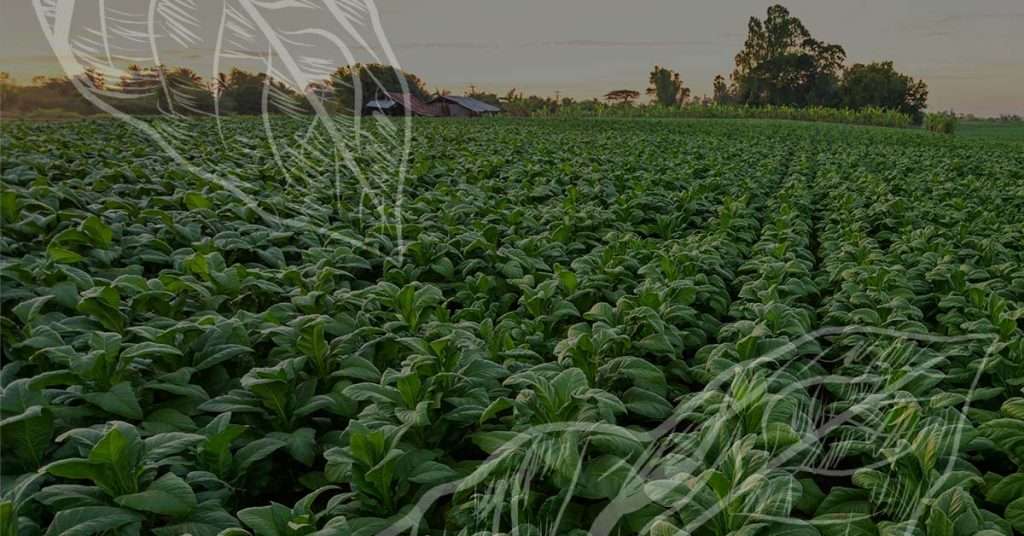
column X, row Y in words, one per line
column 971, row 53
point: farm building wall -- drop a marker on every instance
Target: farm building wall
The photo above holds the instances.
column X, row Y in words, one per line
column 392, row 111
column 455, row 110
column 439, row 107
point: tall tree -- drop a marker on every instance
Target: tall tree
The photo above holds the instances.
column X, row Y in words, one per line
column 242, row 92
column 782, row 64
column 489, row 98
column 723, row 93
column 623, row 96
column 880, row 85
column 372, row 79
column 187, row 91
column 667, row 87
column 8, row 92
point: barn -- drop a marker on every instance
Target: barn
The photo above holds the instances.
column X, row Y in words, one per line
column 450, row 105
column 394, row 103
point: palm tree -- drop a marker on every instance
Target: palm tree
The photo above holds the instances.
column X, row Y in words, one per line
column 511, row 96
column 221, row 84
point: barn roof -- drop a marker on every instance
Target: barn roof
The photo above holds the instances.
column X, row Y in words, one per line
column 471, row 104
column 381, row 104
column 416, row 106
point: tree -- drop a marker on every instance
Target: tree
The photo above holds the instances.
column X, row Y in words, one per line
column 8, row 92
column 55, row 93
column 667, row 87
column 483, row 96
column 186, row 91
column 880, row 85
column 621, row 95
column 723, row 93
column 782, row 64
column 242, row 92
column 511, row 96
column 372, row 79
column 220, row 85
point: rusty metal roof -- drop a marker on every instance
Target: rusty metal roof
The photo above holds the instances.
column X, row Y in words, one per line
column 410, row 102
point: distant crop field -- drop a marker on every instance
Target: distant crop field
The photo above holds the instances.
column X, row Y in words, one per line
column 612, row 326
column 993, row 130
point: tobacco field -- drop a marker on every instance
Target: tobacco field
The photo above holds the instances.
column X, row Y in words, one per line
column 605, row 326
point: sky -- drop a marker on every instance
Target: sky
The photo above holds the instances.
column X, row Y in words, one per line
column 971, row 54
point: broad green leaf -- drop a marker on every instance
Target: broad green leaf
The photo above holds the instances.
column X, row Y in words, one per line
column 496, row 407
column 28, row 435
column 270, row 520
column 208, row 519
column 490, row 442
column 646, row 404
column 99, row 232
column 63, row 255
column 196, row 200
column 74, row 468
column 657, row 344
column 150, row 350
column 256, row 451
column 120, row 401
column 302, row 446
column 168, row 495
column 794, row 527
column 1014, row 408
column 1007, row 489
column 842, row 500
column 89, row 520
column 27, row 310
column 1015, row 514
column 120, row 446
column 431, row 473
column 845, row 524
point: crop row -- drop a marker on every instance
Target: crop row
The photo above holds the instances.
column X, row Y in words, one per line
column 579, row 326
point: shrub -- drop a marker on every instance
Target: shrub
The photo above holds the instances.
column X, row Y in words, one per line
column 942, row 122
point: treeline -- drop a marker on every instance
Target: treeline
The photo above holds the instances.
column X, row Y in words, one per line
column 182, row 91
column 782, row 66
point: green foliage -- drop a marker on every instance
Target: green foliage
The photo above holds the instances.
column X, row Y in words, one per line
column 181, row 91
column 941, row 123
column 242, row 92
column 367, row 81
column 781, row 64
column 586, row 321
column 866, row 116
column 1009, row 129
column 878, row 85
column 667, row 87
column 622, row 96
